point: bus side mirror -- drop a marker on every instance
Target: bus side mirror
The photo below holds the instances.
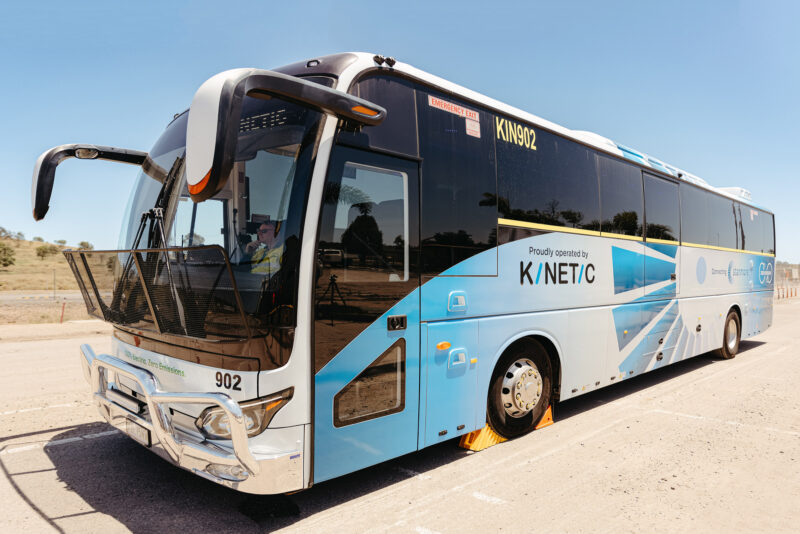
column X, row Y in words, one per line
column 44, row 172
column 215, row 114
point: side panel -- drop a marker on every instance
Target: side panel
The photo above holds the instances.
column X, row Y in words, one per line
column 344, row 449
column 451, row 366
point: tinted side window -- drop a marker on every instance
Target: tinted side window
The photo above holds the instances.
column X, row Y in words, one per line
column 398, row 131
column 621, row 198
column 458, row 184
column 661, row 208
column 549, row 180
column 378, row 391
column 694, row 215
column 769, row 233
column 757, row 230
column 721, row 222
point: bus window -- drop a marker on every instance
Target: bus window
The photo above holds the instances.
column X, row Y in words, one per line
column 458, row 217
column 621, row 198
column 757, row 230
column 721, row 222
column 769, row 233
column 661, row 208
column 694, row 215
column 209, row 223
column 379, row 390
column 398, row 132
column 552, row 181
column 372, row 224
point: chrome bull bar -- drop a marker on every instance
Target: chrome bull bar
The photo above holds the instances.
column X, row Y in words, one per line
column 284, row 471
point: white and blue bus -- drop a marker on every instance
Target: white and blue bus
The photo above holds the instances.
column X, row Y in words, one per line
column 347, row 259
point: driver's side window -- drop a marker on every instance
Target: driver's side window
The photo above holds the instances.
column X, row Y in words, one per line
column 369, row 238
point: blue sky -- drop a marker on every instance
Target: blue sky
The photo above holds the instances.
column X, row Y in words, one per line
column 710, row 86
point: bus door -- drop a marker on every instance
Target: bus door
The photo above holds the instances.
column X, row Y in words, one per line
column 366, row 326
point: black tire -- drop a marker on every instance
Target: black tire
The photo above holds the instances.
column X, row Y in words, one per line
column 730, row 348
column 498, row 419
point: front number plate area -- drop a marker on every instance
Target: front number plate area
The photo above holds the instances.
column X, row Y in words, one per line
column 137, row 432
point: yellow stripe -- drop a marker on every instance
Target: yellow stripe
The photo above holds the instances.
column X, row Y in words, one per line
column 621, row 236
column 581, row 231
column 547, row 227
column 662, row 241
column 724, row 249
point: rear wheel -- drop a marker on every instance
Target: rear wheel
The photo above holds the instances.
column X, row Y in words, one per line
column 521, row 389
column 731, row 336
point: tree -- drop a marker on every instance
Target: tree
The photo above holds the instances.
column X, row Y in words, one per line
column 4, row 233
column 6, row 255
column 38, row 239
column 61, row 242
column 19, row 236
column 85, row 245
column 46, row 250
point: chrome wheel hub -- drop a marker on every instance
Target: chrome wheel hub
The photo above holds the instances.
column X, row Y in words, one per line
column 522, row 388
column 731, row 333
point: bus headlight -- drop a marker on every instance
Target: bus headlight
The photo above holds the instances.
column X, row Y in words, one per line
column 213, row 422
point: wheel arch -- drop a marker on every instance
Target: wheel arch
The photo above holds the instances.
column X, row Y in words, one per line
column 735, row 307
column 550, row 345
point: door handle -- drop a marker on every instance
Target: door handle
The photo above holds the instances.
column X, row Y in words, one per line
column 457, row 357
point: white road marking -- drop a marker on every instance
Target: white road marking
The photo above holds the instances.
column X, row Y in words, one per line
column 413, row 473
column 39, row 408
column 57, row 442
column 731, row 423
column 487, row 498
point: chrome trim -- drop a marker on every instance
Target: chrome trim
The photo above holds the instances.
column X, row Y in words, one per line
column 276, row 472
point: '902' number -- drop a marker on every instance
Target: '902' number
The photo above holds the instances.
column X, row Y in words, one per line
column 229, row 381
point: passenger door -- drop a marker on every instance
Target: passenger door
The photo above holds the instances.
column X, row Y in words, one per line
column 366, row 328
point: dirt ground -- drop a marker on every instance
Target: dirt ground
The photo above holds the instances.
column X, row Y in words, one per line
column 703, row 445
column 41, row 311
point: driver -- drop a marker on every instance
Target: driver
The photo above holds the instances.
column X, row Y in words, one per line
column 265, row 253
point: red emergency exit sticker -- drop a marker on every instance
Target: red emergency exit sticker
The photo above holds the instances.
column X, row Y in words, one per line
column 455, row 109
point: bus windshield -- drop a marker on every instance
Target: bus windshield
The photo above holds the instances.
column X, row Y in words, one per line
column 256, row 218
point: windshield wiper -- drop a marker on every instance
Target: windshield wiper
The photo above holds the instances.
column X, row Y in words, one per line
column 157, row 231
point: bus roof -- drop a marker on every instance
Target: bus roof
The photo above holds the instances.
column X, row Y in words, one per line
column 365, row 60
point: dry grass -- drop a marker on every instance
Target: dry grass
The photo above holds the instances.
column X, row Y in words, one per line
column 32, row 273
column 34, row 312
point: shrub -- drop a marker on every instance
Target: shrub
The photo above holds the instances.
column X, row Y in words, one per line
column 6, row 255
column 46, row 250
column 61, row 242
column 85, row 245
column 38, row 239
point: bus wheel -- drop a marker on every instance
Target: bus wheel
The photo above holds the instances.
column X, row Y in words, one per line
column 521, row 389
column 731, row 336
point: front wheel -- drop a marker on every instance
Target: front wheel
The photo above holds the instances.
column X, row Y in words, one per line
column 521, row 389
column 731, row 336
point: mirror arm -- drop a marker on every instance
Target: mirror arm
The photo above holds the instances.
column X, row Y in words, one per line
column 45, row 169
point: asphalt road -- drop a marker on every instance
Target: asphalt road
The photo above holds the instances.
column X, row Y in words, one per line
column 703, row 445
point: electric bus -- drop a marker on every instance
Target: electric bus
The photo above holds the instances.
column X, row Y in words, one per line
column 340, row 261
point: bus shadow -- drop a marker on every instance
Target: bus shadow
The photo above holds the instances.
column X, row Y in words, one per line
column 117, row 477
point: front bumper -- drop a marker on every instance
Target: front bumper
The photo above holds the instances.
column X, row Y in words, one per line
column 235, row 466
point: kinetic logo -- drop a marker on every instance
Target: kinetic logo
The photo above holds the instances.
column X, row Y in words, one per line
column 765, row 273
column 556, row 273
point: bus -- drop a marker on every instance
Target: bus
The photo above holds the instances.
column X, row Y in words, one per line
column 340, row 261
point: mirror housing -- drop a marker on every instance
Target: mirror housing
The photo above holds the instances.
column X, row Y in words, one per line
column 214, row 116
column 45, row 169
